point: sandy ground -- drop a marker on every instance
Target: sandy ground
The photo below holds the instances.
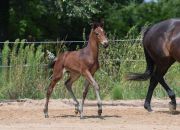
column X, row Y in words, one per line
column 117, row 115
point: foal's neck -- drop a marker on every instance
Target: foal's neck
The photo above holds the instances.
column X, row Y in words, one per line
column 93, row 46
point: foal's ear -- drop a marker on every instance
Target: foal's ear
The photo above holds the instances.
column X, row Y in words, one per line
column 101, row 23
column 94, row 25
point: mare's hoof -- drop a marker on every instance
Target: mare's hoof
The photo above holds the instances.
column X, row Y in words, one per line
column 46, row 116
column 148, row 108
column 172, row 107
column 99, row 112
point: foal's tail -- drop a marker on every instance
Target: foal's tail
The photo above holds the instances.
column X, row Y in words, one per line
column 52, row 59
column 149, row 68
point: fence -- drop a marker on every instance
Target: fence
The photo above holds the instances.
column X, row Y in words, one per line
column 57, row 42
column 71, row 42
column 23, row 73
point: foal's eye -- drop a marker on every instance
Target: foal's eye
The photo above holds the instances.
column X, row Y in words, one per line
column 96, row 33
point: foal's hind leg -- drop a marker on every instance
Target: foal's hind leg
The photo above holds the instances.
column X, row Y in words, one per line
column 57, row 74
column 68, row 84
column 49, row 91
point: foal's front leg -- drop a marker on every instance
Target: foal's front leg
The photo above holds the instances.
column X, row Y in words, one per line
column 89, row 77
column 85, row 91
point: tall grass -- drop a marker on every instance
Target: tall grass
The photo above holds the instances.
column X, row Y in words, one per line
column 24, row 76
column 27, row 76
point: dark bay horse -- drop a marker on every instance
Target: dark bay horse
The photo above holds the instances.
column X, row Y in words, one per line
column 82, row 62
column 161, row 44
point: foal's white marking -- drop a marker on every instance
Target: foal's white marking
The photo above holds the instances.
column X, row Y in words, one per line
column 64, row 70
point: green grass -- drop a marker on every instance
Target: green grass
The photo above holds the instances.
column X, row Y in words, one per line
column 28, row 78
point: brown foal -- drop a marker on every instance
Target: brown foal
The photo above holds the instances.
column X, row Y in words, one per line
column 82, row 62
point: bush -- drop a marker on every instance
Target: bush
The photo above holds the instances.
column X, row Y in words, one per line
column 117, row 93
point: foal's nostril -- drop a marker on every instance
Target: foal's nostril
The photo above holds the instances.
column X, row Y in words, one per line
column 106, row 44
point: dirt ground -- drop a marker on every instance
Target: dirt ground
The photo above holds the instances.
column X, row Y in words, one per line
column 27, row 114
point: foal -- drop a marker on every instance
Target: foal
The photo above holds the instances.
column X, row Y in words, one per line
column 83, row 62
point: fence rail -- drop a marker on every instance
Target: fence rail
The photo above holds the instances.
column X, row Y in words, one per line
column 64, row 42
column 45, row 65
column 57, row 42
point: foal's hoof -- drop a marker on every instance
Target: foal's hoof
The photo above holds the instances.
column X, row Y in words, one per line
column 76, row 111
column 148, row 108
column 172, row 107
column 82, row 117
column 99, row 112
column 46, row 113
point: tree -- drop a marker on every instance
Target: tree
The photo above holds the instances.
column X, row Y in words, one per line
column 26, row 18
column 124, row 18
column 66, row 19
column 4, row 19
column 47, row 19
column 73, row 16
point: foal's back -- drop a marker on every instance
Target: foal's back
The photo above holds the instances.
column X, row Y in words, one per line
column 76, row 60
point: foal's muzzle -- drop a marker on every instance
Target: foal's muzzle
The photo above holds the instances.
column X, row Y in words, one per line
column 105, row 44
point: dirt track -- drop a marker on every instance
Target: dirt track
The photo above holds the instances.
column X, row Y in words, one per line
column 125, row 115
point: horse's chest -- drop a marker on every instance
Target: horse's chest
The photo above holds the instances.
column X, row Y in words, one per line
column 90, row 62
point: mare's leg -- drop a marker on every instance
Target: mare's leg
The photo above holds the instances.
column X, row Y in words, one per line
column 160, row 74
column 73, row 77
column 56, row 76
column 171, row 94
column 89, row 77
column 153, row 84
column 85, row 91
column 158, row 77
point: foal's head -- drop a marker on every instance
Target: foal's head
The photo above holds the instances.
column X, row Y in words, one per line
column 99, row 33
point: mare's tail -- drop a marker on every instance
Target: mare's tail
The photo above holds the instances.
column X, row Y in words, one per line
column 51, row 58
column 149, row 68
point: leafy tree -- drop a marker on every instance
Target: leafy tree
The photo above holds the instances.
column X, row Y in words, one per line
column 4, row 18
column 66, row 19
column 135, row 14
column 26, row 18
